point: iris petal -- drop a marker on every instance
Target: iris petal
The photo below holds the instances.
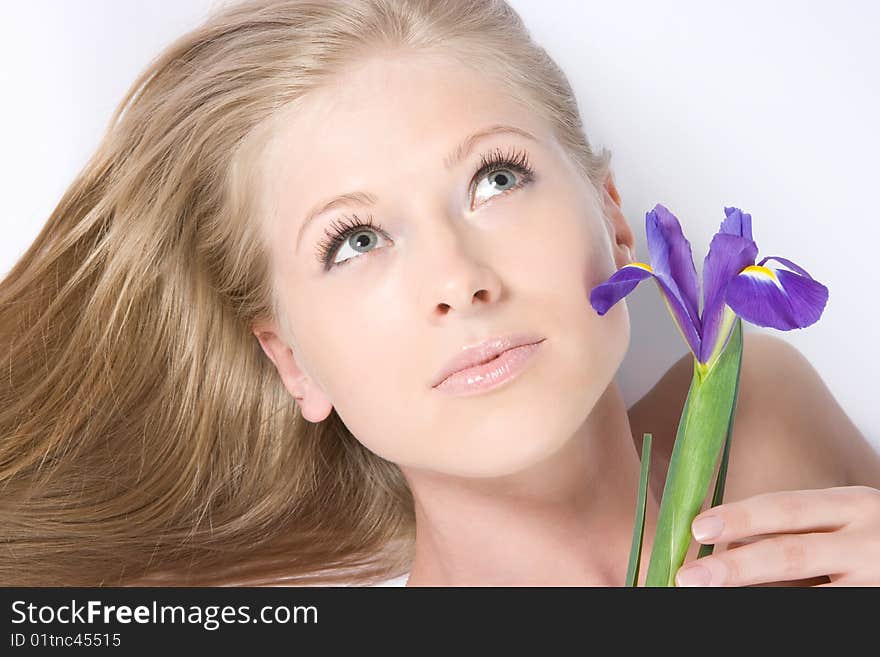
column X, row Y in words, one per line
column 737, row 222
column 777, row 298
column 787, row 263
column 729, row 254
column 673, row 264
column 625, row 280
column 689, row 332
column 621, row 283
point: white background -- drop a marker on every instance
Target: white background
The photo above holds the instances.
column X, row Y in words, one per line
column 770, row 107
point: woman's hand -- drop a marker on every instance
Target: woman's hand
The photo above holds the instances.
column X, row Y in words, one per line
column 833, row 532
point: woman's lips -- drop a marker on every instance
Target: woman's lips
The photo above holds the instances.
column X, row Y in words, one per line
column 488, row 376
column 483, row 352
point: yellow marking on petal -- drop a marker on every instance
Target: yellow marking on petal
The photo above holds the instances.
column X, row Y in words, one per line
column 640, row 265
column 758, row 271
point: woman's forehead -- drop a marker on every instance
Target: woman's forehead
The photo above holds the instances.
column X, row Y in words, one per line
column 388, row 98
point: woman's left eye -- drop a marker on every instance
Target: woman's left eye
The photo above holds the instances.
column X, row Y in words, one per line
column 497, row 164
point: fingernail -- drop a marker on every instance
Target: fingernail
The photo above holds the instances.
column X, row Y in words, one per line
column 693, row 576
column 707, row 528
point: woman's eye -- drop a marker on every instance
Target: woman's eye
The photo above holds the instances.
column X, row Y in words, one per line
column 497, row 179
column 360, row 241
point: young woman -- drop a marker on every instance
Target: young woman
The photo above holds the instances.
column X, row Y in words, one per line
column 224, row 351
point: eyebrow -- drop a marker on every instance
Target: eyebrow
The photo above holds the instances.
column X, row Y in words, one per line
column 450, row 162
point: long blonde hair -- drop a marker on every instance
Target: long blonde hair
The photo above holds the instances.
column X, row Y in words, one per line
column 144, row 436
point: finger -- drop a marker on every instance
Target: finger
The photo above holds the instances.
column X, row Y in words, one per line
column 783, row 558
column 782, row 512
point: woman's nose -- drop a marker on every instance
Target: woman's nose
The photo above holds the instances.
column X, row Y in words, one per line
column 459, row 276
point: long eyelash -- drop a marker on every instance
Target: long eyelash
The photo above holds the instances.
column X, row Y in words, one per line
column 337, row 234
column 515, row 160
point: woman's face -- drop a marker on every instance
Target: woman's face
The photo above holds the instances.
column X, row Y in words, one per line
column 450, row 260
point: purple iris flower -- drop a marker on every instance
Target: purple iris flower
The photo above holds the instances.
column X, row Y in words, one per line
column 733, row 285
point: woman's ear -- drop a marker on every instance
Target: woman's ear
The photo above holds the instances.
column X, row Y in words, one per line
column 313, row 401
column 621, row 233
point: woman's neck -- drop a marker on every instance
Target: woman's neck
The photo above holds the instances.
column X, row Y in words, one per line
column 565, row 521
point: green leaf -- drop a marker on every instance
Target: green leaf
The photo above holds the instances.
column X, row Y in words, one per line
column 718, row 495
column 635, row 551
column 701, row 434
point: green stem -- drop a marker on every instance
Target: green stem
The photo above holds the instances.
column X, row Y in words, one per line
column 705, row 424
column 635, row 551
column 718, row 496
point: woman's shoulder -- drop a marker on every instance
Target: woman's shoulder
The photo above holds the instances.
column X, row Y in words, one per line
column 789, row 431
column 776, row 443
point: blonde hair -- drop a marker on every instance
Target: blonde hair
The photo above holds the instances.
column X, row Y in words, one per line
column 145, row 438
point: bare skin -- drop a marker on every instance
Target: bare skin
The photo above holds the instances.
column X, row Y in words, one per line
column 658, row 412
column 533, row 483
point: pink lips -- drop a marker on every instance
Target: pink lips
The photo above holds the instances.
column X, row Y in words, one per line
column 487, row 364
